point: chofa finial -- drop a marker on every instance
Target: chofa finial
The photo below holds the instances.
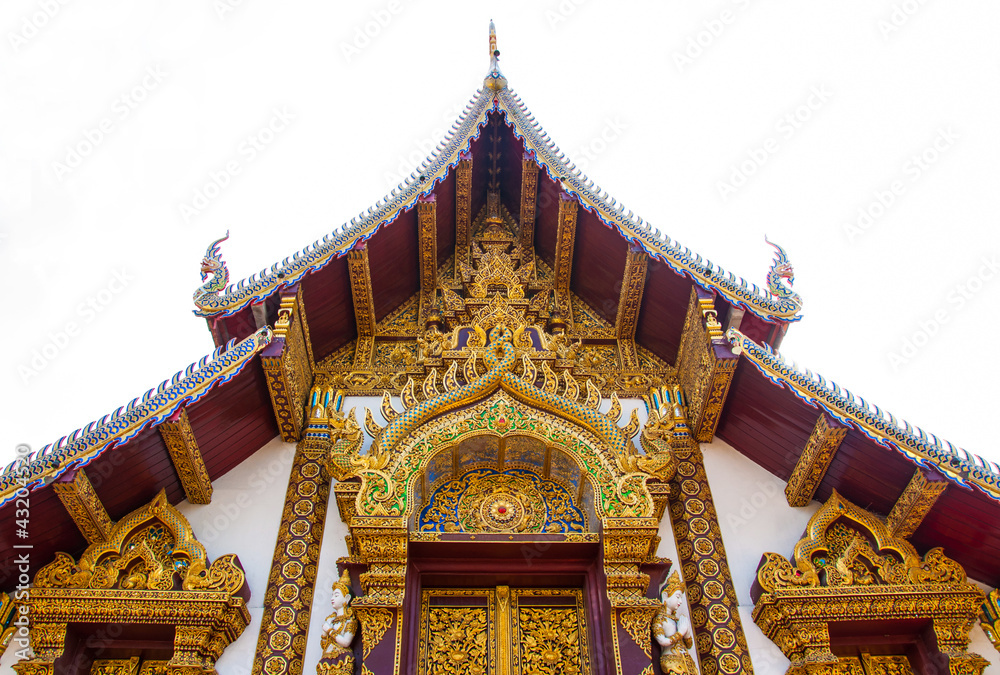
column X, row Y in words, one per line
column 494, row 79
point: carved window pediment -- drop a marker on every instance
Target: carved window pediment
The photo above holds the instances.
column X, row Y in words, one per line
column 151, row 570
column 848, row 568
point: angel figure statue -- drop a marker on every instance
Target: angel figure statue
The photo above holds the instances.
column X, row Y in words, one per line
column 672, row 630
column 338, row 632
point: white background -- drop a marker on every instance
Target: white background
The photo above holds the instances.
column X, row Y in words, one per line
column 366, row 107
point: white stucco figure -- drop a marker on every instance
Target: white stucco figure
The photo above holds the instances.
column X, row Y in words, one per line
column 672, row 629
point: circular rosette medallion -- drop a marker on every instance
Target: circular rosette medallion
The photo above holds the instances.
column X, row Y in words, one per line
column 502, row 512
column 501, row 503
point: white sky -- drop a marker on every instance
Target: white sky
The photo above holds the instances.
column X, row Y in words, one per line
column 363, row 111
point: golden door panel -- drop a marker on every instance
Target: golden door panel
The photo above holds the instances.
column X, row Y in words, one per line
column 503, row 631
column 549, row 632
column 457, row 631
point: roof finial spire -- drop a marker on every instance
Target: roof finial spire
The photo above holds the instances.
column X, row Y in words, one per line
column 495, row 79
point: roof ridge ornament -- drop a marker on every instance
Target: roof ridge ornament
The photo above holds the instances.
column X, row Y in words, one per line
column 212, row 265
column 495, row 81
column 781, row 268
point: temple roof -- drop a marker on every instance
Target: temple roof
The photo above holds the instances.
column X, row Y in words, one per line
column 497, row 97
column 769, row 415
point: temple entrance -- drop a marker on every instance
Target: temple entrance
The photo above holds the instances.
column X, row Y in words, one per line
column 503, row 631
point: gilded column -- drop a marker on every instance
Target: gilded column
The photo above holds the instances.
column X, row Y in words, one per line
column 285, row 624
column 715, row 617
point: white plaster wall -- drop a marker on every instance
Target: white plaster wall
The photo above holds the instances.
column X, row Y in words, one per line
column 754, row 518
column 243, row 518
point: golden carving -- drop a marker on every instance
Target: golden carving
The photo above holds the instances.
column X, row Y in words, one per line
column 565, row 238
column 287, row 364
column 376, row 622
column 701, row 552
column 550, row 640
column 427, row 251
column 83, row 505
column 705, row 365
column 529, row 198
column 635, row 621
column 152, row 548
column 115, row 666
column 459, row 643
column 886, row 665
column 814, row 460
column 364, row 305
column 290, row 585
column 517, row 631
column 989, row 617
column 463, row 209
column 850, row 567
column 496, row 281
column 629, row 302
column 186, row 456
column 150, row 570
column 914, row 504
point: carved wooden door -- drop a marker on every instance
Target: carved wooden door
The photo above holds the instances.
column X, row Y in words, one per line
column 503, row 631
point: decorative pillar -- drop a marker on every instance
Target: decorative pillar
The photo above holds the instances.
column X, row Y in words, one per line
column 715, row 617
column 629, row 550
column 284, row 627
column 381, row 545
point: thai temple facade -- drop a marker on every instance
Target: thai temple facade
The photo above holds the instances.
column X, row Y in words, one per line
column 499, row 425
